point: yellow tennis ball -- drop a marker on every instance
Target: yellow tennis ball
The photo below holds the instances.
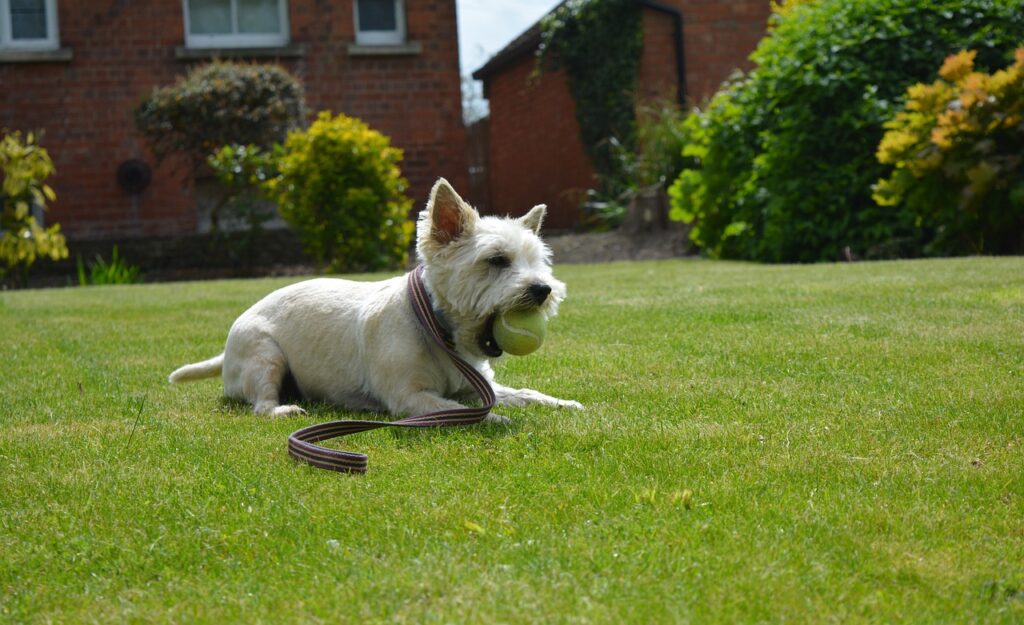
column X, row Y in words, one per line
column 520, row 332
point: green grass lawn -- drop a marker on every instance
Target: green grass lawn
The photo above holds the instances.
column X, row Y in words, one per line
column 825, row 443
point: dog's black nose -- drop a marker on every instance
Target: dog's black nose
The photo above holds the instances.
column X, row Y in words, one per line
column 539, row 292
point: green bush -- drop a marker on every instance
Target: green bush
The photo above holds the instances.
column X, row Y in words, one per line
column 655, row 160
column 783, row 159
column 116, row 271
column 25, row 165
column 957, row 151
column 220, row 104
column 339, row 185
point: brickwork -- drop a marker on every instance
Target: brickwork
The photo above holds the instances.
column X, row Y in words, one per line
column 535, row 151
column 122, row 50
column 536, row 156
column 719, row 36
column 659, row 75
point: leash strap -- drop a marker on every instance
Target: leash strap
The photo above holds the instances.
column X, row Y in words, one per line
column 302, row 443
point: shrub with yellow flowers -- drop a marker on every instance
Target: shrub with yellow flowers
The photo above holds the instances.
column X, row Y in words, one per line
column 957, row 151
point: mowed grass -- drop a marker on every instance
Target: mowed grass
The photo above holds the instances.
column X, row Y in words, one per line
column 826, row 443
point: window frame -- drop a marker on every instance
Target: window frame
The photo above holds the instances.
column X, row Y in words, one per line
column 236, row 39
column 7, row 40
column 381, row 37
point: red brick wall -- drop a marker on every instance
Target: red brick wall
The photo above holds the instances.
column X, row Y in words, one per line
column 718, row 37
column 535, row 151
column 536, row 156
column 658, row 80
column 122, row 50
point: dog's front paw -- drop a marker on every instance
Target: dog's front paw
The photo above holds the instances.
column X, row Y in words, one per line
column 497, row 418
column 287, row 411
column 569, row 403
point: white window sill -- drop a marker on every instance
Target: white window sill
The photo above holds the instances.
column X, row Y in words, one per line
column 410, row 48
column 28, row 55
column 183, row 53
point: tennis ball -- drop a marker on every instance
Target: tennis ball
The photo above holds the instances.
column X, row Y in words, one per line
column 520, row 332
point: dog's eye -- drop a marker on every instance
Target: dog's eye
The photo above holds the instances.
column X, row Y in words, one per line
column 499, row 262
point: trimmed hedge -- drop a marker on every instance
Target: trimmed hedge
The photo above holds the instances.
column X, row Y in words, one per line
column 220, row 104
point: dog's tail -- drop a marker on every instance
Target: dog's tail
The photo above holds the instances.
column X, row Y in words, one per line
column 198, row 370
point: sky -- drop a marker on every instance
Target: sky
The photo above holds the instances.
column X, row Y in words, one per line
column 487, row 26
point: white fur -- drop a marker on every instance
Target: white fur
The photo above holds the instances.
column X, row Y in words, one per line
column 358, row 344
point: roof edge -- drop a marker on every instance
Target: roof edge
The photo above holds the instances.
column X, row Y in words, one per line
column 522, row 46
column 530, row 41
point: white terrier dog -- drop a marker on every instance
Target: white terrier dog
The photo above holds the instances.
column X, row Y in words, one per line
column 359, row 345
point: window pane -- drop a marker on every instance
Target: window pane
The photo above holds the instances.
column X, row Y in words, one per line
column 377, row 15
column 258, row 16
column 209, row 17
column 28, row 19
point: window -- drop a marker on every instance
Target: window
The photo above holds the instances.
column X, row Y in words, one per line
column 380, row 22
column 28, row 24
column 236, row 23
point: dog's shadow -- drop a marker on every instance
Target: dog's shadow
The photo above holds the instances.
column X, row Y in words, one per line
column 319, row 412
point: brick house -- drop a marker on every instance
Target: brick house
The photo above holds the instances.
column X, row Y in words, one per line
column 535, row 153
column 76, row 68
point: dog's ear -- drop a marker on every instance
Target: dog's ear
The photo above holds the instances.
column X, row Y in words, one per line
column 535, row 218
column 450, row 217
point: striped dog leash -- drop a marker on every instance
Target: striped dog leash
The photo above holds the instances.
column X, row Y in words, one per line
column 301, row 444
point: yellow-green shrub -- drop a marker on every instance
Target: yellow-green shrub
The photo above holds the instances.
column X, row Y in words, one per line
column 24, row 165
column 958, row 154
column 340, row 186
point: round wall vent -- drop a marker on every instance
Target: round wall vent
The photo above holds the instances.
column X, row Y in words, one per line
column 134, row 175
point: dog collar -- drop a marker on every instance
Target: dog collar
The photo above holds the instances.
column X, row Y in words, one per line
column 448, row 329
column 443, row 325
